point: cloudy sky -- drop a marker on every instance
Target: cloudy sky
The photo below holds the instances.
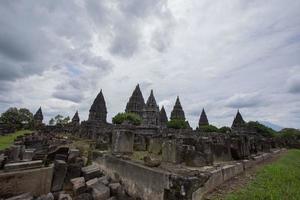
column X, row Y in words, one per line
column 221, row 55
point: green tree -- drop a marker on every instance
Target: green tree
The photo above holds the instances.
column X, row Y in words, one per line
column 17, row 118
column 59, row 120
column 177, row 124
column 261, row 129
column 208, row 128
column 132, row 118
column 225, row 129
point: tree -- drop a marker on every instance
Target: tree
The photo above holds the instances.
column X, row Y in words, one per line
column 17, row 118
column 132, row 118
column 225, row 129
column 261, row 129
column 177, row 124
column 59, row 120
column 208, row 128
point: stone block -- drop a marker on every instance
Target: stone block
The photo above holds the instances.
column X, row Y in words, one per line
column 104, row 180
column 267, row 156
column 100, row 192
column 79, row 186
column 23, row 165
column 171, row 152
column 230, row 171
column 195, row 159
column 15, row 152
column 91, row 182
column 155, row 145
column 258, row 159
column 63, row 196
column 25, row 196
column 28, row 154
column 122, row 141
column 90, row 172
column 60, row 171
column 74, row 170
column 84, row 196
column 215, row 179
column 248, row 164
column 73, row 154
column 60, row 157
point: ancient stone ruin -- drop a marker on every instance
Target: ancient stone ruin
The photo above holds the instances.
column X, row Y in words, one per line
column 124, row 161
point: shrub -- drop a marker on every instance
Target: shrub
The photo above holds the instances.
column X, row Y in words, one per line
column 289, row 133
column 261, row 129
column 208, row 128
column 132, row 118
column 177, row 124
column 225, row 129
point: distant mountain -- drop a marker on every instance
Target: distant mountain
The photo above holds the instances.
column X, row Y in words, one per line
column 271, row 125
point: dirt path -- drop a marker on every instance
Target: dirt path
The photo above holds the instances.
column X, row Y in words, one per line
column 240, row 181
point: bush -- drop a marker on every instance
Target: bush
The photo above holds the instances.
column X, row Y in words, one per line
column 225, row 129
column 261, row 129
column 177, row 124
column 132, row 118
column 289, row 133
column 208, row 128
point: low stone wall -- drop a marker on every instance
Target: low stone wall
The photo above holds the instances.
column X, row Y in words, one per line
column 222, row 174
column 37, row 181
column 139, row 181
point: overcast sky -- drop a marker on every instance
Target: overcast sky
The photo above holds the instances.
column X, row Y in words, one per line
column 221, row 55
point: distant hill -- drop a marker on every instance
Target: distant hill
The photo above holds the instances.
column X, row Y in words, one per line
column 271, row 125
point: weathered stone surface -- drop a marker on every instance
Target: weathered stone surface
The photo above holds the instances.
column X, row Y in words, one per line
column 230, row 171
column 25, row 196
column 90, row 172
column 215, row 179
column 104, row 180
column 151, row 162
column 92, row 182
column 171, row 152
column 73, row 154
column 63, row 196
column 28, row 154
column 36, row 181
column 60, row 157
column 23, row 165
column 195, row 159
column 60, row 171
column 15, row 152
column 84, row 196
column 74, row 170
column 100, row 192
column 48, row 196
column 79, row 186
column 155, row 145
column 122, row 141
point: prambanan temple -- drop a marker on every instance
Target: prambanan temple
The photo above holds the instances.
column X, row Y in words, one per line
column 147, row 161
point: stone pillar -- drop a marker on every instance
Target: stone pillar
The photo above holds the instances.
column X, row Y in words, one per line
column 60, row 171
column 122, row 141
column 171, row 152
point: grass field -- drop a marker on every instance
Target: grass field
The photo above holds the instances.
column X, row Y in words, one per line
column 277, row 181
column 7, row 140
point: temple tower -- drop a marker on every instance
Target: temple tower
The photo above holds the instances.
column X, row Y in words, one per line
column 98, row 111
column 238, row 124
column 136, row 103
column 76, row 119
column 151, row 111
column 203, row 121
column 163, row 117
column 38, row 116
column 177, row 112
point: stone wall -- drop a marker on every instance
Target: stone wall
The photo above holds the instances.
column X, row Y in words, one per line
column 37, row 181
column 139, row 181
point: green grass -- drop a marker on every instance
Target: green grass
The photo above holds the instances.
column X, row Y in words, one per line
column 7, row 140
column 277, row 181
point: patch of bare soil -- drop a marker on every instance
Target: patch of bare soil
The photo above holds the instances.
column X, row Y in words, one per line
column 240, row 181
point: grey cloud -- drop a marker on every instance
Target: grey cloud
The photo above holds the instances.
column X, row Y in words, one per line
column 293, row 84
column 244, row 100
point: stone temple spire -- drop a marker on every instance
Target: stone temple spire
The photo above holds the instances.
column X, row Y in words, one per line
column 38, row 116
column 98, row 110
column 163, row 117
column 203, row 121
column 177, row 112
column 238, row 120
column 151, row 111
column 75, row 119
column 136, row 103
